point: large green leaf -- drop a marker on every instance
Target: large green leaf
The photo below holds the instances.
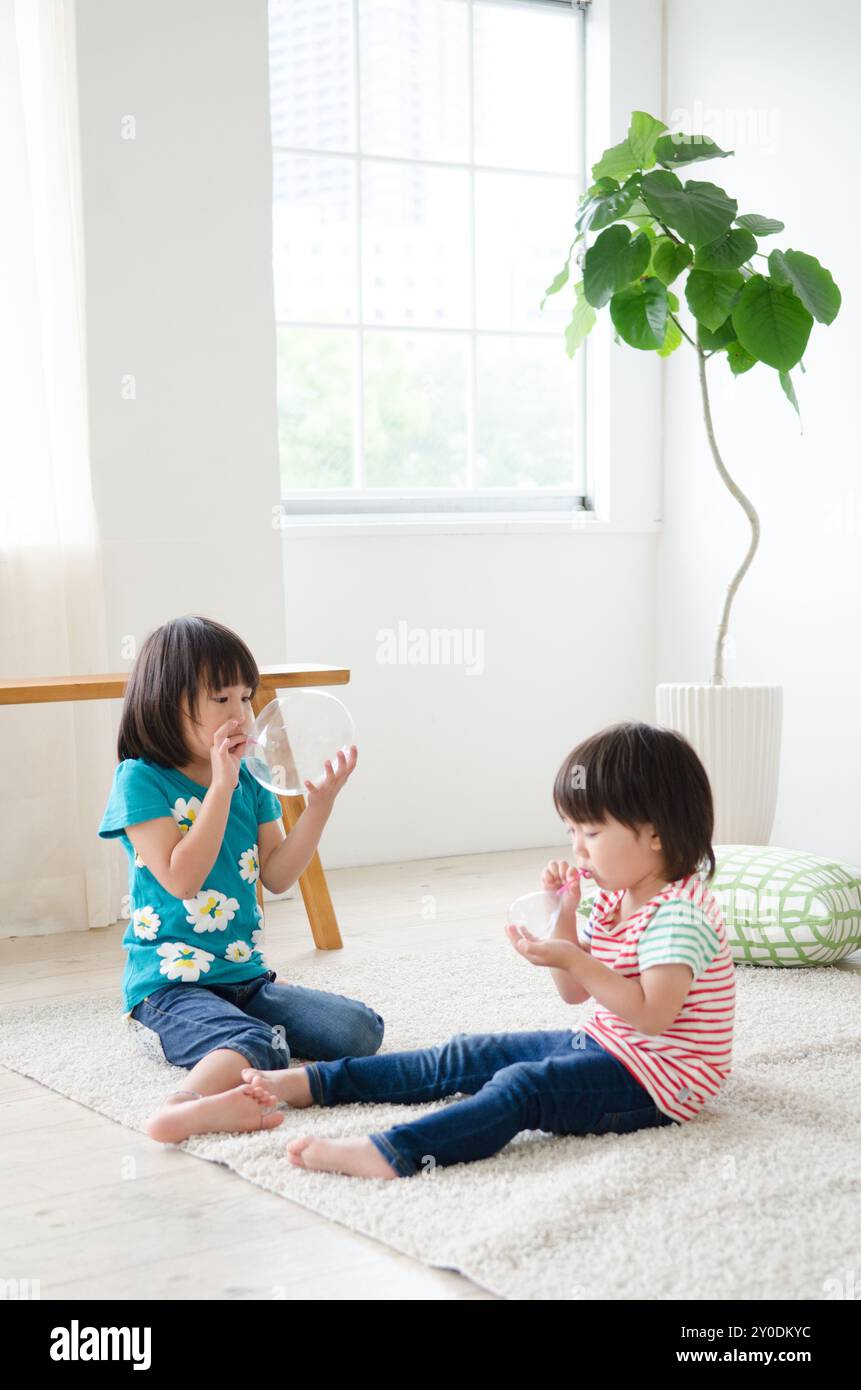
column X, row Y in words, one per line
column 672, row 150
column 613, row 262
column 669, row 258
column 606, row 207
column 760, row 226
column 699, row 211
column 728, row 251
column 640, row 313
column 582, row 322
column 642, row 134
column 812, row 283
column 618, row 162
column 771, row 322
column 711, row 295
column 632, row 153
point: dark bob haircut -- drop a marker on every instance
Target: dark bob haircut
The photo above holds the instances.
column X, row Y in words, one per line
column 641, row 773
column 177, row 663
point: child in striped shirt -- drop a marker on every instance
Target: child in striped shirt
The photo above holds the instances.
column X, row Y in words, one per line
column 654, row 957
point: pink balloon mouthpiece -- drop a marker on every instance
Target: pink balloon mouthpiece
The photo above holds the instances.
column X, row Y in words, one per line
column 584, row 873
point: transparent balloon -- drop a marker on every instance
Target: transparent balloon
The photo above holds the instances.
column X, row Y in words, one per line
column 293, row 736
column 537, row 912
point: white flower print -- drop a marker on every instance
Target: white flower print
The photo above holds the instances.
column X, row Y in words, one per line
column 210, row 910
column 185, row 813
column 182, row 962
column 238, row 951
column 139, row 864
column 145, row 923
column 257, row 941
column 249, row 865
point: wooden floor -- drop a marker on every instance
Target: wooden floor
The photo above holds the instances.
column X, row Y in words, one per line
column 83, row 1200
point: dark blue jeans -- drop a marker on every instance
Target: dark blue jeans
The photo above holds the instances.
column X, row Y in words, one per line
column 562, row 1082
column 266, row 1022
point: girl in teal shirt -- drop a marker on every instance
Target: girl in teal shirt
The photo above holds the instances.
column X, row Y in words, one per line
column 192, row 819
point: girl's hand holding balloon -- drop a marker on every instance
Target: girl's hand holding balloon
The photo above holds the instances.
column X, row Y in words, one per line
column 556, row 907
column 321, row 796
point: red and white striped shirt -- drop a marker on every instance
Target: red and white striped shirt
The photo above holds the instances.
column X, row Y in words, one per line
column 685, row 1066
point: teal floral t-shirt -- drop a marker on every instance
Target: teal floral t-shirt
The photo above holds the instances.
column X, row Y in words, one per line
column 214, row 938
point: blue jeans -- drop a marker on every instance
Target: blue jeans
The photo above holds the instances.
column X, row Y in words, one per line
column 264, row 1021
column 562, row 1082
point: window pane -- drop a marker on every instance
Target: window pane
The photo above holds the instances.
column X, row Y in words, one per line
column 415, row 409
column 311, row 74
column 527, row 389
column 314, row 235
column 415, row 245
column 315, row 406
column 526, row 81
column 524, row 225
column 415, row 78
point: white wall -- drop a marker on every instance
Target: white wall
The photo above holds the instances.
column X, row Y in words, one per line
column 796, row 617
column 451, row 762
column 178, row 241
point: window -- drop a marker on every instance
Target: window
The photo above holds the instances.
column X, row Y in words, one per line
column 427, row 158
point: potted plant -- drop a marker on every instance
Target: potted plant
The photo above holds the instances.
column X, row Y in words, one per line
column 639, row 228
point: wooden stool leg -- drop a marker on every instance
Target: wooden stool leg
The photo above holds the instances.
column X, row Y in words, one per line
column 315, row 889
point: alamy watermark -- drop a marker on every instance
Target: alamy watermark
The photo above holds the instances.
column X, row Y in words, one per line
column 434, row 646
column 731, row 127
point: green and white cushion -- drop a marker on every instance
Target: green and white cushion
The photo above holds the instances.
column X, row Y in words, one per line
column 782, row 907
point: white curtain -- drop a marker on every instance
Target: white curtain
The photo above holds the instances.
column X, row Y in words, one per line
column 57, row 759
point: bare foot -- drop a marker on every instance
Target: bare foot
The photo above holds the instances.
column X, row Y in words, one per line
column 239, row 1109
column 292, row 1087
column 357, row 1157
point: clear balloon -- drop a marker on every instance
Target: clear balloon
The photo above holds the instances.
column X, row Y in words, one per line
column 536, row 911
column 293, row 736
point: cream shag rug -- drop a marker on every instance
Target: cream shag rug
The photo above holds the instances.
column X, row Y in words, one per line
column 754, row 1199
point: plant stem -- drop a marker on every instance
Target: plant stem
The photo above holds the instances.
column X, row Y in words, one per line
column 681, row 330
column 750, row 513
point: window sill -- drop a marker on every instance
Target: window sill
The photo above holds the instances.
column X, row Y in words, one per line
column 440, row 524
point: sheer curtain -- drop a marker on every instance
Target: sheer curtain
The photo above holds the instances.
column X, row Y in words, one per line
column 57, row 759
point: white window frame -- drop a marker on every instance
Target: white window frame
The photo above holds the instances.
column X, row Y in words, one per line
column 551, row 506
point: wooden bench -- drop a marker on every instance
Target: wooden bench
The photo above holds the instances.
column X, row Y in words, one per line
column 315, row 890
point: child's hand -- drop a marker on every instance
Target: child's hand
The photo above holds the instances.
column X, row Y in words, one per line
column 552, row 952
column 322, row 797
column 228, row 745
column 558, row 874
column 564, row 879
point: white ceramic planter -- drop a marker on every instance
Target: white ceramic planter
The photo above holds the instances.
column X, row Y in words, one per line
column 736, row 730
